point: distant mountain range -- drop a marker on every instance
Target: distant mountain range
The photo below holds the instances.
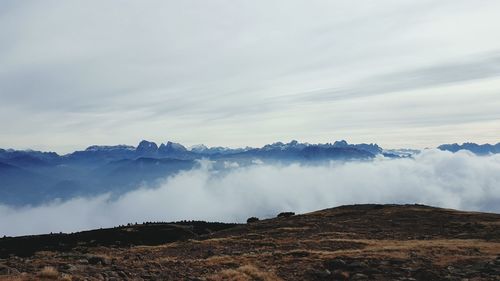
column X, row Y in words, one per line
column 479, row 149
column 33, row 177
column 105, row 153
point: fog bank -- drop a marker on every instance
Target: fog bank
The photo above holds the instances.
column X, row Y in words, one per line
column 461, row 181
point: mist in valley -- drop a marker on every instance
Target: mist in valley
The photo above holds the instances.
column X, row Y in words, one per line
column 235, row 192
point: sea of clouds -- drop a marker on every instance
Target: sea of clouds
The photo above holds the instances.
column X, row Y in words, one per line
column 461, row 181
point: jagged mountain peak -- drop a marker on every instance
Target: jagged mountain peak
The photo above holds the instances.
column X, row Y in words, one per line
column 147, row 146
column 340, row 143
column 172, row 146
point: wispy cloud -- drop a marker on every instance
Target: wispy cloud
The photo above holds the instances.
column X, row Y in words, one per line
column 167, row 68
column 478, row 67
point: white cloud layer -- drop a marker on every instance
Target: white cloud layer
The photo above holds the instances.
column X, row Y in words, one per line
column 461, row 180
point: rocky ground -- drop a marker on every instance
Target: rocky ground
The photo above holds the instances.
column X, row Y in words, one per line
column 360, row 242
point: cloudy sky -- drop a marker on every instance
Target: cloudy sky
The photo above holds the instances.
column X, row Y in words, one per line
column 236, row 73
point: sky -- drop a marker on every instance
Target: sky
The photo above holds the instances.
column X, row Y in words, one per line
column 236, row 73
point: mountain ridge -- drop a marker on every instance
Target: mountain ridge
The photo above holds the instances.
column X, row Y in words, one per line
column 151, row 149
column 148, row 147
column 121, row 168
column 479, row 149
column 352, row 242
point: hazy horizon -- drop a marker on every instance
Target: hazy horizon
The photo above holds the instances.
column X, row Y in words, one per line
column 188, row 146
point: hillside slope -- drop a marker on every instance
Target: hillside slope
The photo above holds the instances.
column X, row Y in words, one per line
column 359, row 242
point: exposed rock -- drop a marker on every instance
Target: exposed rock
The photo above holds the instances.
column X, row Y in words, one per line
column 360, row 276
column 252, row 219
column 285, row 214
column 96, row 260
column 340, row 275
column 335, row 264
column 5, row 270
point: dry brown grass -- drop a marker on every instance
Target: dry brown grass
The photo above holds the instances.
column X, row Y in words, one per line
column 298, row 249
column 48, row 272
column 219, row 260
column 244, row 273
column 11, row 278
column 288, row 228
